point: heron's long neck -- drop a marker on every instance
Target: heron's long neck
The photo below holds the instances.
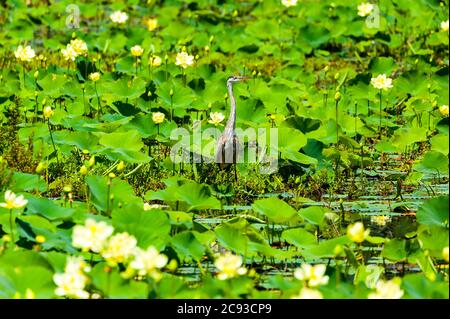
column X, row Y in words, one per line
column 231, row 124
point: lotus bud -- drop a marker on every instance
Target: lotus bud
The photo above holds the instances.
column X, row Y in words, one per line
column 337, row 96
column 172, row 265
column 40, row 239
column 83, row 170
column 92, row 161
column 120, row 166
column 41, row 166
column 48, row 112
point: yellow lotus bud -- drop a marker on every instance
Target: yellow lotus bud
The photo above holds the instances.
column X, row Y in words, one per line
column 444, row 110
column 207, row 48
column 336, row 76
column 171, row 92
column 48, row 112
column 445, row 253
column 152, row 24
column 6, row 238
column 120, row 166
column 172, row 265
column 111, row 175
column 91, row 161
column 41, row 166
column 29, row 294
column 40, row 239
column 211, row 39
column 357, row 233
column 337, row 96
column 36, row 74
column 254, row 72
column 326, row 68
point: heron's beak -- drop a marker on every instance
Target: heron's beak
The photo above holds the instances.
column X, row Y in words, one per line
column 243, row 78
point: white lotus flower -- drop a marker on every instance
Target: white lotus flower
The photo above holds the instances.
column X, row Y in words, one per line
column 13, row 201
column 136, row 51
column 69, row 53
column 229, row 266
column 24, row 54
column 71, row 284
column 444, row 26
column 146, row 262
column 289, row 3
column 313, row 275
column 92, row 235
column 381, row 82
column 79, row 46
column 184, row 60
column 364, row 9
column 155, row 61
column 216, row 118
column 387, row 290
column 357, row 233
column 158, row 117
column 119, row 17
column 119, row 248
column 308, row 293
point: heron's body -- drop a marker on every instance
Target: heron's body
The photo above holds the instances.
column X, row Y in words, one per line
column 228, row 147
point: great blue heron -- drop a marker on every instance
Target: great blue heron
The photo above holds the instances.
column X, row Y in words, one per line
column 228, row 145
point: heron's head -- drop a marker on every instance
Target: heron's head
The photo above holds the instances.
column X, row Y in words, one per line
column 234, row 78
